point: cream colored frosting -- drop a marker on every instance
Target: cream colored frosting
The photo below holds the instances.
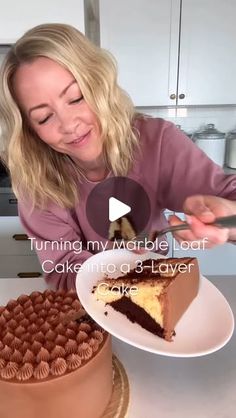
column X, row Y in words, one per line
column 34, row 295
column 73, row 325
column 45, row 327
column 82, row 336
column 60, row 329
column 17, row 356
column 25, row 346
column 71, row 347
column 28, row 303
column 9, row 371
column 2, row 321
column 94, row 344
column 69, row 333
column 39, row 299
column 2, row 363
column 58, row 366
column 11, row 304
column 22, row 299
column 33, row 317
column 58, row 351
column 43, row 355
column 25, row 372
column 32, row 328
column 20, row 330
column 36, row 347
column 73, row 361
column 85, row 351
column 6, row 353
column 49, row 345
column 47, row 304
column 16, row 343
column 50, row 335
column 98, row 335
column 18, row 309
column 7, row 315
column 28, row 311
column 39, row 336
column 25, row 322
column 42, row 370
column 60, row 339
column 12, row 323
column 8, row 338
column 85, row 327
column 29, row 357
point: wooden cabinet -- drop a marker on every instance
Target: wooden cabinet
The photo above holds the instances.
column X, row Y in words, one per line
column 16, row 17
column 171, row 52
column 17, row 257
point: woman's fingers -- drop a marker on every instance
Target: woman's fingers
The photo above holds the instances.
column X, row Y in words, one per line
column 185, row 235
column 199, row 231
column 214, row 234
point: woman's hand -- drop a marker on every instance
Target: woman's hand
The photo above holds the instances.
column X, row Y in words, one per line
column 201, row 210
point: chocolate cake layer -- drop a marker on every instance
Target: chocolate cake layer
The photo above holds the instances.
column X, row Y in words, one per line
column 137, row 314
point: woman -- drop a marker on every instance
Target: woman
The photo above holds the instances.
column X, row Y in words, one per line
column 67, row 126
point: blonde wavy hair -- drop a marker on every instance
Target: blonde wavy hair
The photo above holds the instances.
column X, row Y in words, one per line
column 36, row 169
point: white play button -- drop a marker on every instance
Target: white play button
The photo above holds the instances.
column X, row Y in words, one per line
column 117, row 209
column 114, row 201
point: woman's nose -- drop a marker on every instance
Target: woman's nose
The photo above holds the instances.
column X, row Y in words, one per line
column 68, row 123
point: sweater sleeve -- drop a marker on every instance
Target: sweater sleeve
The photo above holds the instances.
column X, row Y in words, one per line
column 185, row 170
column 58, row 242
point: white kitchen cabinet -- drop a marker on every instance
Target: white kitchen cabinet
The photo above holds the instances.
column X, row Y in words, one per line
column 207, row 63
column 171, row 52
column 143, row 37
column 16, row 17
column 20, row 266
column 17, row 257
column 220, row 260
column 13, row 240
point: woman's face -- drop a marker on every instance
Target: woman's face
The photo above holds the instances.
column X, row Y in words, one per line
column 53, row 104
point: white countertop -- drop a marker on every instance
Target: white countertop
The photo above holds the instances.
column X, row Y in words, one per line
column 204, row 387
column 229, row 170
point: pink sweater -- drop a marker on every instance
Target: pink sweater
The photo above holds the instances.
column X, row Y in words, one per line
column 170, row 168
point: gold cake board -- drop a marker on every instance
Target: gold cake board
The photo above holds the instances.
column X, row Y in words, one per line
column 119, row 402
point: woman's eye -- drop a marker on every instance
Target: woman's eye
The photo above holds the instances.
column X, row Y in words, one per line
column 76, row 100
column 41, row 122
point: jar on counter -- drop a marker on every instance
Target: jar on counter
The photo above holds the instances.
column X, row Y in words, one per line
column 212, row 142
column 189, row 135
column 231, row 149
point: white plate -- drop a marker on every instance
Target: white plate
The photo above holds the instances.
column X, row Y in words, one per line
column 205, row 327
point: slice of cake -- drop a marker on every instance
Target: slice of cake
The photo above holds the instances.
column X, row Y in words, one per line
column 51, row 364
column 120, row 229
column 155, row 295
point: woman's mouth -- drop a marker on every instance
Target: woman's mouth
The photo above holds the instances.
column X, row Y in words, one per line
column 80, row 140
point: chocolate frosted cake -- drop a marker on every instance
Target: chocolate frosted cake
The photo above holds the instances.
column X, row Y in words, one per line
column 50, row 363
column 155, row 295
